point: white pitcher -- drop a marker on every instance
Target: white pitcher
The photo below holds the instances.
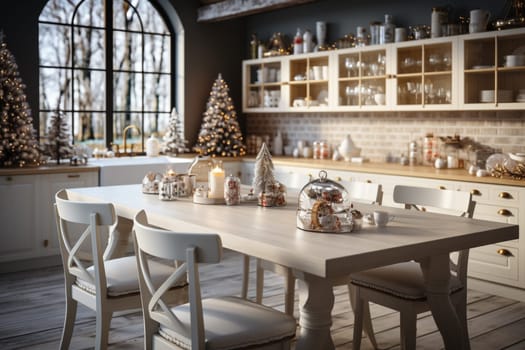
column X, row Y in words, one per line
column 347, row 149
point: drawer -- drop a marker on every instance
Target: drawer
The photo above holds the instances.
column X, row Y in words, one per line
column 486, row 194
column 495, row 263
column 497, row 213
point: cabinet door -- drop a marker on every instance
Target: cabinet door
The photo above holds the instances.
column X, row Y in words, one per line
column 493, row 66
column 50, row 184
column 425, row 74
column 362, row 78
column 18, row 216
column 309, row 82
column 262, row 85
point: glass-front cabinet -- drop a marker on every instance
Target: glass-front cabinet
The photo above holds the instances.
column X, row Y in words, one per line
column 262, row 85
column 472, row 71
column 362, row 78
column 493, row 66
column 424, row 74
column 308, row 81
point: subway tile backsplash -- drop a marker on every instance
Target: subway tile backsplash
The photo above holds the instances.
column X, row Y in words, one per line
column 381, row 133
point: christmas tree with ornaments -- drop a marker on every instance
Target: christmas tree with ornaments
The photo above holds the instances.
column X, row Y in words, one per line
column 220, row 134
column 18, row 144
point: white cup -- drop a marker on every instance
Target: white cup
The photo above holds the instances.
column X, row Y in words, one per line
column 478, row 20
column 381, row 218
column 514, row 60
column 317, row 72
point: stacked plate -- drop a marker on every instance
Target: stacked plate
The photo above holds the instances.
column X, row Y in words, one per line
column 503, row 96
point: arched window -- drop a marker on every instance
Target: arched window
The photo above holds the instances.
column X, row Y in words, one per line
column 109, row 64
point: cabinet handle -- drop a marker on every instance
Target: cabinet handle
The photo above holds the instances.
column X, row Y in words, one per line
column 46, row 242
column 475, row 192
column 504, row 252
column 71, row 176
column 368, row 181
column 338, row 178
column 9, row 178
column 505, row 195
column 442, row 188
column 504, row 212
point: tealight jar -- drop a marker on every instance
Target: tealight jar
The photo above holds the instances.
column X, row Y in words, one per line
column 232, row 190
column 169, row 187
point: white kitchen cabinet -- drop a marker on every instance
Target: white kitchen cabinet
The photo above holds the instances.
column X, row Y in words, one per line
column 488, row 81
column 18, row 215
column 447, row 73
column 26, row 212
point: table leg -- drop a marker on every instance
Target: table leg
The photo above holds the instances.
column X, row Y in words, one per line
column 436, row 273
column 316, row 300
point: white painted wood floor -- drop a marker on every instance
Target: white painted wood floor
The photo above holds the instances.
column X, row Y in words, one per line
column 32, row 312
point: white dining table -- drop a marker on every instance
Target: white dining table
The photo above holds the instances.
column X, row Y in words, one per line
column 321, row 259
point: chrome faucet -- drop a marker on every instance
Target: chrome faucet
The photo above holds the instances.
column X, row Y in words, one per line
column 124, row 135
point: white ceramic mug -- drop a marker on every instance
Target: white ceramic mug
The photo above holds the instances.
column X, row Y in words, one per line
column 514, row 60
column 381, row 218
column 478, row 20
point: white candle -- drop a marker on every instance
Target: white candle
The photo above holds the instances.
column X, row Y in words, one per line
column 216, row 183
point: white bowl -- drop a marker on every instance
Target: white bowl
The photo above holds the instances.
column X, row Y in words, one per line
column 519, row 157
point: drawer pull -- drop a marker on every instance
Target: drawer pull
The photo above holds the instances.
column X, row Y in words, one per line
column 368, row 181
column 442, row 188
column 72, row 176
column 9, row 178
column 504, row 252
column 504, row 212
column 475, row 192
column 505, row 195
column 338, row 178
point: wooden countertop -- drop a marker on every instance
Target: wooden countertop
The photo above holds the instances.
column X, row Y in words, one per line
column 394, row 169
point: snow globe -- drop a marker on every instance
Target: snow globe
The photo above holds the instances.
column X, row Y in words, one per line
column 324, row 206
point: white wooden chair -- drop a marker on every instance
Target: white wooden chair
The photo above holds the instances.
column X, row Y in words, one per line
column 225, row 322
column 400, row 286
column 103, row 285
column 362, row 192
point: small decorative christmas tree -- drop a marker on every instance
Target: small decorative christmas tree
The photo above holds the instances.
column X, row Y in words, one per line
column 220, row 134
column 175, row 142
column 18, row 144
column 58, row 145
column 270, row 192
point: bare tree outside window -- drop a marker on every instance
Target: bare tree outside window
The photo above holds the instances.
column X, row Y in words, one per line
column 103, row 88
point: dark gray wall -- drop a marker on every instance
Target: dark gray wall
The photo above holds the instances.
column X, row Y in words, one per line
column 343, row 16
column 211, row 49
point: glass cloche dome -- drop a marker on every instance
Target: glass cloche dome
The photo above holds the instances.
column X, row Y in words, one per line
column 324, row 206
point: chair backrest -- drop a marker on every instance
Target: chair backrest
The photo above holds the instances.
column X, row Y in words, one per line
column 79, row 223
column 419, row 198
column 457, row 202
column 189, row 249
column 365, row 192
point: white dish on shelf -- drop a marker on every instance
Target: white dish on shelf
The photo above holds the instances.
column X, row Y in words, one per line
column 482, row 67
column 322, row 97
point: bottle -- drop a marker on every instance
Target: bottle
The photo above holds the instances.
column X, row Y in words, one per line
column 307, row 41
column 438, row 19
column 152, row 146
column 387, row 30
column 298, row 42
column 253, row 46
column 277, row 146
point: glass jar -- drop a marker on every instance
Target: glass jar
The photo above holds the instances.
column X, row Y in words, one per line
column 232, row 190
